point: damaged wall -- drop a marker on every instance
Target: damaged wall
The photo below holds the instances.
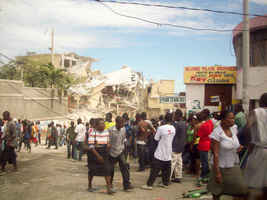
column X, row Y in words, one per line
column 31, row 103
column 71, row 62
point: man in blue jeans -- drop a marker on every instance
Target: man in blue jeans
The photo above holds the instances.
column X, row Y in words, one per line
column 204, row 131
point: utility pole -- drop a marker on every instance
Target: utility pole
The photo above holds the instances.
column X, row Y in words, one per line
column 245, row 56
column 21, row 73
column 52, row 47
column 52, row 62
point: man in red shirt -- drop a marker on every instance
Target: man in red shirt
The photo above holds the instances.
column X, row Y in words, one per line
column 204, row 143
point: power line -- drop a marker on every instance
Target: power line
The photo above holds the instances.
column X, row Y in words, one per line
column 11, row 60
column 8, row 58
column 165, row 24
column 180, row 7
column 5, row 56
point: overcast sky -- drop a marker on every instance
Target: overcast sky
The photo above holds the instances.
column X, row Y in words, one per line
column 90, row 29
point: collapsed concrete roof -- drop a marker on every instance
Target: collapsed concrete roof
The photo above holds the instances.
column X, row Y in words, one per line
column 80, row 69
column 124, row 77
column 85, row 88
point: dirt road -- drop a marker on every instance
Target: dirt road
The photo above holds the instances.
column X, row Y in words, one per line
column 48, row 174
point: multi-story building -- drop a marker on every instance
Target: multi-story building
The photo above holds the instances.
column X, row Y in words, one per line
column 257, row 72
column 162, row 98
column 80, row 66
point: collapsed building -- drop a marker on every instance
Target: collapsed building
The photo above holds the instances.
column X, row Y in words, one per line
column 96, row 94
column 79, row 66
column 117, row 92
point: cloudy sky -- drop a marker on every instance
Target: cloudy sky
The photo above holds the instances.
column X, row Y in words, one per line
column 91, row 29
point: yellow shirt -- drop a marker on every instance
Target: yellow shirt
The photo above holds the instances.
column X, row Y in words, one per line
column 109, row 125
column 196, row 140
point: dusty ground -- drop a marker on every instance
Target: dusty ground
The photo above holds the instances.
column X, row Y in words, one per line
column 48, row 174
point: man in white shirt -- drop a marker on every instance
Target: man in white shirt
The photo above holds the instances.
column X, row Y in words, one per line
column 80, row 130
column 163, row 154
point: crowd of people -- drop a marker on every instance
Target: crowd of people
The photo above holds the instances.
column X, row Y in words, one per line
column 225, row 150
column 55, row 135
column 13, row 134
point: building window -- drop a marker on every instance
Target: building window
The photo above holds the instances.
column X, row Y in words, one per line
column 66, row 63
column 258, row 48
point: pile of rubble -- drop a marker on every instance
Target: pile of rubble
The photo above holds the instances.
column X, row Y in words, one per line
column 116, row 92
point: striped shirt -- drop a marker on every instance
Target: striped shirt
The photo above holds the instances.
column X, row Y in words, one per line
column 98, row 138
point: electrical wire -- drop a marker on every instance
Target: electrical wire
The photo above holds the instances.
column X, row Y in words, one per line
column 180, row 7
column 8, row 58
column 166, row 24
column 5, row 56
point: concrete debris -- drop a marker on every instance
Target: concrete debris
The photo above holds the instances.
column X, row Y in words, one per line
column 80, row 69
column 85, row 88
column 124, row 77
column 84, row 114
column 116, row 92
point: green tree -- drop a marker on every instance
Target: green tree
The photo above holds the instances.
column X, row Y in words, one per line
column 31, row 76
column 55, row 76
column 59, row 78
column 9, row 71
column 36, row 74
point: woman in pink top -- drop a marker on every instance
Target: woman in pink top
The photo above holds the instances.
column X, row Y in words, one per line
column 204, row 144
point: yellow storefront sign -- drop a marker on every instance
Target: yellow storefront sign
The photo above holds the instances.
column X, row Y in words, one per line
column 210, row 75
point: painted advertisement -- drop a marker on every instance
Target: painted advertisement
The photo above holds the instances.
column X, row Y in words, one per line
column 210, row 75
